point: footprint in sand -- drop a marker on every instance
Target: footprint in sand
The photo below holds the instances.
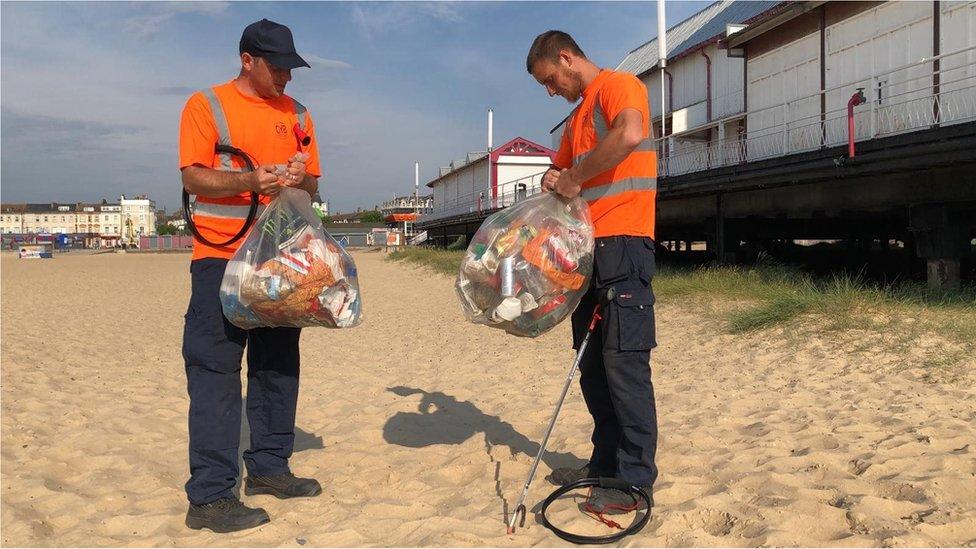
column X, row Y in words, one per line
column 716, row 523
column 857, row 522
column 933, row 517
column 768, row 500
column 822, row 442
column 758, row 429
column 843, row 502
column 903, row 492
column 858, row 466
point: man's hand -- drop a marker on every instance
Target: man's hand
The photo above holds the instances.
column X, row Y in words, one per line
column 264, row 180
column 295, row 173
column 568, row 183
column 549, row 178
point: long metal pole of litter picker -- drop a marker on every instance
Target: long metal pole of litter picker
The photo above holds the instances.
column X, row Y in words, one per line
column 520, row 506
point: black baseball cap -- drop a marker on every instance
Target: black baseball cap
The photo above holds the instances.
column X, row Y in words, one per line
column 273, row 42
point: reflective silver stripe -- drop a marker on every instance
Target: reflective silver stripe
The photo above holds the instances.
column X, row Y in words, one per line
column 300, row 113
column 599, row 124
column 223, row 131
column 601, row 130
column 570, row 121
column 621, row 186
column 224, row 211
column 645, row 145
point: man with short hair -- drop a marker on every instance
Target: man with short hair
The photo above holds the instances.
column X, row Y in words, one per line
column 607, row 157
column 253, row 115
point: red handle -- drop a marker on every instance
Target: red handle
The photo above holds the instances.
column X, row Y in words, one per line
column 596, row 317
column 303, row 138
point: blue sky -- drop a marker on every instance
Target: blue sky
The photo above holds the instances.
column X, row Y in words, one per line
column 91, row 93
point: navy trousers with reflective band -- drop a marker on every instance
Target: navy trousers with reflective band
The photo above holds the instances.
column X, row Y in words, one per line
column 212, row 351
column 615, row 372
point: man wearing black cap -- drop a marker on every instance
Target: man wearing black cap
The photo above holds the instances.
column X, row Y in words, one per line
column 253, row 114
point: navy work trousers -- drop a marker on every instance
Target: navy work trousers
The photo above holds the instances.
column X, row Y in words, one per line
column 212, row 351
column 615, row 372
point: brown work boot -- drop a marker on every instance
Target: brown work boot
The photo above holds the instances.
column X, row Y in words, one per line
column 283, row 486
column 610, row 501
column 561, row 476
column 225, row 515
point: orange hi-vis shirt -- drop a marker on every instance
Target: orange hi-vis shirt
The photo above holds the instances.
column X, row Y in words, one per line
column 621, row 199
column 263, row 128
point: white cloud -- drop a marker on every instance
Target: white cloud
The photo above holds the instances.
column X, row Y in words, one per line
column 112, row 118
column 111, row 103
column 369, row 142
column 317, row 61
column 375, row 18
column 115, row 118
column 149, row 25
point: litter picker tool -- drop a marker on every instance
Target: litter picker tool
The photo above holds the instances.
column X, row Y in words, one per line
column 520, row 506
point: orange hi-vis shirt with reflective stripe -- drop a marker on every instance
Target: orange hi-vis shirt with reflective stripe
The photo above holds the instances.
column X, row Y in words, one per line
column 621, row 199
column 263, row 128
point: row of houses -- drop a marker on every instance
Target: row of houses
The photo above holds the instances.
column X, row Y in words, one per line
column 103, row 224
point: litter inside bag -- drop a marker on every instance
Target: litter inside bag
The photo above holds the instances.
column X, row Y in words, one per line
column 528, row 266
column 290, row 272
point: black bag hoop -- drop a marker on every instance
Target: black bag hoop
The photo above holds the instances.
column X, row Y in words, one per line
column 616, row 484
column 251, row 214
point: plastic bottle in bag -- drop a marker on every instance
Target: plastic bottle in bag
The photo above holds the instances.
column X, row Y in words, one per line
column 528, row 266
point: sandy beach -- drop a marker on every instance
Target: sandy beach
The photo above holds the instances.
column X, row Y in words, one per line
column 422, row 427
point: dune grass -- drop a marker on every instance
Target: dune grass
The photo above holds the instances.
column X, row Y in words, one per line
column 443, row 261
column 781, row 294
column 768, row 296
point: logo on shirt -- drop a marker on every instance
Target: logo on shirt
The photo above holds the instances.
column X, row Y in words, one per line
column 281, row 130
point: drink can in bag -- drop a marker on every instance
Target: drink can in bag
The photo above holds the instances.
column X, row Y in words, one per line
column 506, row 270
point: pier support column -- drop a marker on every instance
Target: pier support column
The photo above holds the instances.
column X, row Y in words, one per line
column 941, row 238
column 943, row 274
column 720, row 249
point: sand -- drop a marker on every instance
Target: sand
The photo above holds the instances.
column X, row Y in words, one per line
column 422, row 427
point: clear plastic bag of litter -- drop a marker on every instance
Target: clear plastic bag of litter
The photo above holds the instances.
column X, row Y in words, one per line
column 528, row 266
column 290, row 272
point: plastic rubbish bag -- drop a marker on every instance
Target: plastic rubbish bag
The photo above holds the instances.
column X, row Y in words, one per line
column 290, row 272
column 528, row 266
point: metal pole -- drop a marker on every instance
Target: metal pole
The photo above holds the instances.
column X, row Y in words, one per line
column 786, row 126
column 490, row 136
column 721, row 144
column 662, row 54
column 490, row 128
column 874, row 115
column 663, row 113
column 520, row 506
column 416, row 193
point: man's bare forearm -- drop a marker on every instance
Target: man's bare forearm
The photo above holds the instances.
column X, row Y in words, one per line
column 213, row 183
column 608, row 153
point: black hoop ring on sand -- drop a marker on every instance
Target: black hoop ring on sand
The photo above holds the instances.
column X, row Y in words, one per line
column 612, row 483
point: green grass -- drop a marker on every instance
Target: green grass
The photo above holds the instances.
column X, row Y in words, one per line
column 779, row 294
column 777, row 311
column 768, row 296
column 443, row 261
column 857, row 313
